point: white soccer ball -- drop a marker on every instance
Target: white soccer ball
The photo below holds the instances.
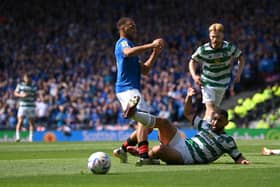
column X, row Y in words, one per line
column 99, row 163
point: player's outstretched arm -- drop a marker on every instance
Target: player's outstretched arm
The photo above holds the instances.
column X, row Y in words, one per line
column 137, row 50
column 148, row 64
column 188, row 111
column 192, row 67
column 17, row 94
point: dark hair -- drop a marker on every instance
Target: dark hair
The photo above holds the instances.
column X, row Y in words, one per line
column 222, row 112
column 27, row 74
column 122, row 21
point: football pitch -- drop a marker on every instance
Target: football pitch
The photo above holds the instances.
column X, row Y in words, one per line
column 65, row 164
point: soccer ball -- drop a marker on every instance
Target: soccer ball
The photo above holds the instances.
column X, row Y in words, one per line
column 99, row 163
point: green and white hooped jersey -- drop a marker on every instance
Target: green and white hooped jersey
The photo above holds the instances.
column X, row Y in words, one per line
column 216, row 63
column 31, row 91
column 208, row 146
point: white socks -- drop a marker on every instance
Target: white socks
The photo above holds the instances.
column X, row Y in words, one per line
column 30, row 136
column 146, row 119
column 17, row 135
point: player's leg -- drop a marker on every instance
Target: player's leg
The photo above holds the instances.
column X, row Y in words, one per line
column 20, row 118
column 144, row 127
column 141, row 132
column 129, row 146
column 142, row 137
column 172, row 149
column 18, row 127
column 266, row 151
column 121, row 152
column 166, row 130
column 213, row 102
column 167, row 154
column 167, row 135
column 208, row 98
column 30, row 113
column 275, row 151
column 31, row 128
column 220, row 93
column 145, row 124
column 210, row 109
column 130, row 141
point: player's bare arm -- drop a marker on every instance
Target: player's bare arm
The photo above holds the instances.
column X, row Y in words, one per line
column 188, row 111
column 134, row 51
column 241, row 63
column 17, row 94
column 148, row 64
column 192, row 67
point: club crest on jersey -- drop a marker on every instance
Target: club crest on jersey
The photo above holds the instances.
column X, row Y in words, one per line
column 124, row 44
column 217, row 61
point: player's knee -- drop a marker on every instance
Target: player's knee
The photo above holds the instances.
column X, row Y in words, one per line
column 20, row 121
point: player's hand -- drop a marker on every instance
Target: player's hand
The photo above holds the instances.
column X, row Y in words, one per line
column 158, row 43
column 23, row 95
column 245, row 162
column 237, row 79
column 242, row 160
column 191, row 91
column 157, row 50
column 197, row 80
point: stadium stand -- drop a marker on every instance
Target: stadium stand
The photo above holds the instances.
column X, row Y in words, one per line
column 68, row 47
column 261, row 110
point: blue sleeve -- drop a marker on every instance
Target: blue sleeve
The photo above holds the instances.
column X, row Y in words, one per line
column 121, row 46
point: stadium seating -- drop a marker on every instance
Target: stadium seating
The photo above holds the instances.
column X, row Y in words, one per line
column 260, row 109
column 68, row 46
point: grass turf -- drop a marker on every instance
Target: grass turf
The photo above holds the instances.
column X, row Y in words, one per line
column 65, row 164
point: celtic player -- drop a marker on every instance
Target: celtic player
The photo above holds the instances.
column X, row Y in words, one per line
column 26, row 92
column 217, row 58
column 206, row 146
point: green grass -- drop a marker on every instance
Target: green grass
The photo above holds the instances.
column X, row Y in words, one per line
column 65, row 164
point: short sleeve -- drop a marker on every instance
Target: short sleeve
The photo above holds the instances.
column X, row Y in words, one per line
column 124, row 44
column 17, row 88
column 196, row 55
column 197, row 122
column 237, row 52
column 231, row 147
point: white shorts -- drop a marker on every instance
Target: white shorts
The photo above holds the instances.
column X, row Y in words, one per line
column 26, row 112
column 125, row 96
column 215, row 95
column 179, row 144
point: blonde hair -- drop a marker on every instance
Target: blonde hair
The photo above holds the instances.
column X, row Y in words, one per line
column 216, row 27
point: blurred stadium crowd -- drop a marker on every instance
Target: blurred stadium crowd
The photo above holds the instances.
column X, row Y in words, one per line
column 68, row 46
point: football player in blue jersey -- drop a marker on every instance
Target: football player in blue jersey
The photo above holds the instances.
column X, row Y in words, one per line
column 128, row 84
